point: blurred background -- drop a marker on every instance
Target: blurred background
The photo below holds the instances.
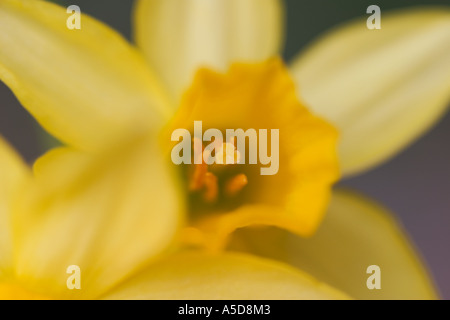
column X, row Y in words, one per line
column 415, row 185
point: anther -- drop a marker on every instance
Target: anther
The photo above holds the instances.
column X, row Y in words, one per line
column 211, row 191
column 234, row 185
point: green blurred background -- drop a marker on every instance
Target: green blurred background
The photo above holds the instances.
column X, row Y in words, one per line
column 415, row 185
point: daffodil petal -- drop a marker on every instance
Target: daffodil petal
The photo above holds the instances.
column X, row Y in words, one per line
column 355, row 234
column 109, row 216
column 13, row 174
column 84, row 86
column 195, row 276
column 381, row 88
column 179, row 37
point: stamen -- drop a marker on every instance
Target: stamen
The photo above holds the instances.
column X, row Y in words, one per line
column 197, row 179
column 200, row 179
column 211, row 192
column 234, row 185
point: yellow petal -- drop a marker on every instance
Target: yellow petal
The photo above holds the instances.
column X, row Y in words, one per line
column 197, row 276
column 84, row 86
column 355, row 234
column 179, row 37
column 381, row 88
column 262, row 96
column 13, row 173
column 110, row 216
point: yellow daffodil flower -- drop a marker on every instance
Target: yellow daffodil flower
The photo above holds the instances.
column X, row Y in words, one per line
column 112, row 203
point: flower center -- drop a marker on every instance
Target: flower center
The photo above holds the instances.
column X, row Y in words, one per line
column 206, row 179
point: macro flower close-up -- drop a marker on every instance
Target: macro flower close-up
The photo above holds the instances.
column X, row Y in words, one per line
column 194, row 161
